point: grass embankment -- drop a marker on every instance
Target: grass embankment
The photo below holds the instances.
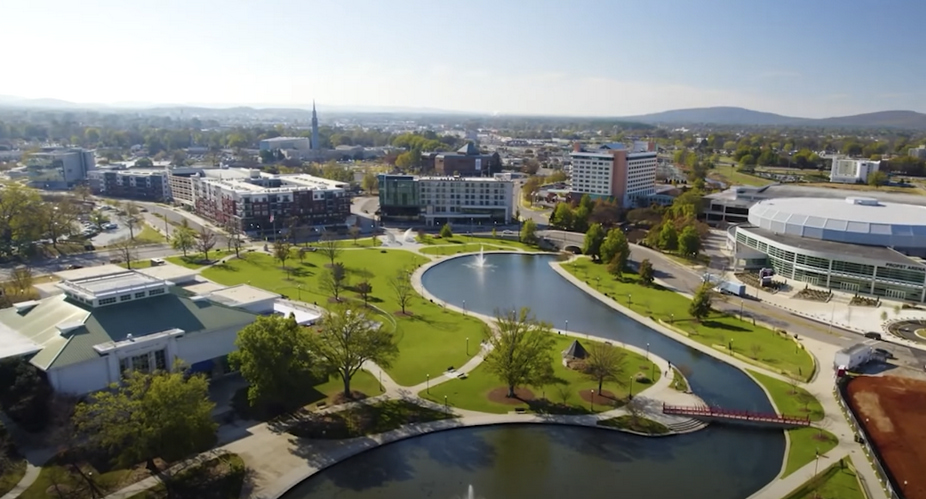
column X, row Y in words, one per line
column 430, row 338
column 149, row 236
column 453, row 249
column 320, row 395
column 805, row 443
column 365, row 419
column 362, row 242
column 637, row 424
column 482, row 391
column 221, row 477
column 678, row 380
column 838, row 481
column 728, row 173
column 757, row 344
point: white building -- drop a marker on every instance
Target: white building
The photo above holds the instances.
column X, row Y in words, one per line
column 614, row 171
column 852, row 171
column 103, row 325
column 465, row 199
column 919, row 152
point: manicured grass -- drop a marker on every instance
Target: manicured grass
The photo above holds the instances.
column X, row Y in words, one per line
column 195, row 260
column 789, row 399
column 149, row 236
column 839, row 481
column 12, row 475
column 729, row 174
column 637, row 424
column 53, row 474
column 365, row 419
column 453, row 249
column 460, row 239
column 472, row 393
column 751, row 343
column 678, row 381
column 363, row 242
column 805, row 443
column 430, row 338
column 219, row 478
column 322, row 393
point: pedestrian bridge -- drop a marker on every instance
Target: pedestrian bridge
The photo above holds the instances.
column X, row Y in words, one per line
column 718, row 414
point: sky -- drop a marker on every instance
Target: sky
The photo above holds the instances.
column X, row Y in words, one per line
column 808, row 58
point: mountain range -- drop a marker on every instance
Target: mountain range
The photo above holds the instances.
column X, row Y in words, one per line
column 740, row 116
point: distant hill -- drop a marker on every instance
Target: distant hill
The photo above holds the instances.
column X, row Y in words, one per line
column 740, row 116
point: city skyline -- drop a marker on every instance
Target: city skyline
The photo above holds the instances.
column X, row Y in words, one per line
column 791, row 58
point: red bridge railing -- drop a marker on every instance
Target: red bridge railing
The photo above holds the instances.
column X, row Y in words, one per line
column 719, row 413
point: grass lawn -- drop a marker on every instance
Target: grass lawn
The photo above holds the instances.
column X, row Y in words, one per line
column 731, row 176
column 322, row 393
column 195, row 260
column 461, row 239
column 836, row 482
column 219, row 478
column 638, row 424
column 751, row 343
column 149, row 236
column 678, row 381
column 805, row 444
column 365, row 419
column 12, row 476
column 363, row 242
column 473, row 392
column 430, row 339
column 53, row 474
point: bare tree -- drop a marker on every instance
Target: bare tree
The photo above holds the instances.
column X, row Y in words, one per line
column 128, row 251
column 605, row 363
column 21, row 278
column 364, row 288
column 234, row 237
column 334, row 280
column 205, row 241
column 755, row 349
column 402, row 289
column 281, row 252
column 330, row 247
column 354, row 232
column 131, row 219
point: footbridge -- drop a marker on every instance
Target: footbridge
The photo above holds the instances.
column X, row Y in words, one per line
column 718, row 414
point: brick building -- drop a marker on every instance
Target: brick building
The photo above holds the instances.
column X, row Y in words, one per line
column 134, row 183
column 467, row 161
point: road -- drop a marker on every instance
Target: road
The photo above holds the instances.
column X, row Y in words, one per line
column 540, row 217
column 687, row 280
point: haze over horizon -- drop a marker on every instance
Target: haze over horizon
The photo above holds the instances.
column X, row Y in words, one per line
column 595, row 58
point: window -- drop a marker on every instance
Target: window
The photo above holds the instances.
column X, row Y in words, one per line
column 124, row 366
column 158, row 291
column 140, row 294
column 141, row 363
column 125, row 297
column 107, row 301
column 160, row 360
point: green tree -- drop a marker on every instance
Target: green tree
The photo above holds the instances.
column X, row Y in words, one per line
column 281, row 251
column 364, row 289
column 370, row 182
column 274, row 355
column 446, row 231
column 562, row 216
column 402, row 289
column 530, row 187
column 615, row 244
column 330, row 247
column 580, row 219
column 586, row 202
column 668, row 237
column 184, row 238
column 522, row 349
column 605, row 363
column 348, row 338
column 647, row 275
column 334, row 280
column 877, row 178
column 593, row 239
column 615, row 266
column 529, row 232
column 700, row 306
column 689, row 241
column 144, row 163
column 24, row 394
column 158, row 415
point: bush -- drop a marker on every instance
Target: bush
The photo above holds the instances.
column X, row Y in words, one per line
column 24, row 394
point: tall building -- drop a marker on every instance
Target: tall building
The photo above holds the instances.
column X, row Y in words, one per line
column 852, row 171
column 439, row 200
column 135, row 183
column 919, row 152
column 467, row 161
column 316, row 145
column 613, row 171
column 59, row 168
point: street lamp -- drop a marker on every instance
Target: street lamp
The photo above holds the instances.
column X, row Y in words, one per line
column 592, row 399
column 630, row 396
column 742, row 303
column 629, row 299
column 467, row 345
column 672, row 320
column 299, row 287
column 445, row 401
column 567, row 327
column 464, row 307
column 647, row 351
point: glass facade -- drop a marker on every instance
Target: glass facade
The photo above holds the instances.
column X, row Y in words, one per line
column 894, row 281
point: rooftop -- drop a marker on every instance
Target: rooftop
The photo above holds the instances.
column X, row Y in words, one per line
column 851, row 251
column 852, row 209
column 240, row 295
column 169, row 272
column 742, row 195
column 102, row 286
column 283, row 139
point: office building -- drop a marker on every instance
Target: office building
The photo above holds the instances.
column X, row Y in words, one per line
column 857, row 244
column 614, row 171
column 852, row 171
column 467, row 161
column 439, row 200
column 918, row 152
column 134, row 183
column 59, row 168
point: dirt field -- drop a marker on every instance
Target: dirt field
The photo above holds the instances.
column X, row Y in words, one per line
column 893, row 411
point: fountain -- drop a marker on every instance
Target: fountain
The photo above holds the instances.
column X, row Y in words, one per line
column 470, row 494
column 480, row 258
column 409, row 236
column 389, row 239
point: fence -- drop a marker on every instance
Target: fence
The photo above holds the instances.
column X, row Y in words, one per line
column 885, row 479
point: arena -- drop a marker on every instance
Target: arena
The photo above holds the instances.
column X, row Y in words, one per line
column 856, row 244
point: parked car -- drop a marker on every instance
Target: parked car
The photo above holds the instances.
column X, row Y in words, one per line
column 873, row 335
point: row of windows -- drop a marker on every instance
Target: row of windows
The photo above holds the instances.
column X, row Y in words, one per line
column 143, row 362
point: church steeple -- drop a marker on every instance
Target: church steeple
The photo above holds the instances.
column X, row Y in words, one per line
column 315, row 144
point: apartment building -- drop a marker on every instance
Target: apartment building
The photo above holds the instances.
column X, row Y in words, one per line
column 852, row 171
column 918, row 152
column 627, row 175
column 135, row 183
column 439, row 200
column 467, row 161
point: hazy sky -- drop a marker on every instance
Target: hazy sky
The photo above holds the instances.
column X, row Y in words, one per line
column 811, row 58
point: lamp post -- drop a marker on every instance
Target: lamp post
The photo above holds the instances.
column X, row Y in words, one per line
column 467, row 345
column 672, row 319
column 647, row 351
column 630, row 396
column 299, row 288
column 592, row 399
column 381, row 387
column 567, row 327
column 428, row 381
column 742, row 303
column 629, row 299
column 464, row 307
column 445, row 401
column 598, row 281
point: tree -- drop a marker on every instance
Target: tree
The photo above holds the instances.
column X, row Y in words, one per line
column 21, row 278
column 24, row 394
column 668, row 237
column 529, row 232
column 369, row 183
column 615, row 266
column 593, row 239
column 334, row 280
column 98, row 219
column 128, row 251
column 131, row 218
column 354, row 232
column 402, row 289
column 205, row 241
column 158, row 415
column 605, row 363
column 184, row 239
column 234, row 237
column 700, row 306
column 877, row 178
column 530, row 187
column 615, row 244
column 562, row 216
column 349, row 338
column 281, row 251
column 689, row 242
column 364, row 289
column 144, row 163
column 446, row 231
column 275, row 356
column 647, row 275
column 330, row 247
column 83, row 192
column 57, row 219
column 522, row 349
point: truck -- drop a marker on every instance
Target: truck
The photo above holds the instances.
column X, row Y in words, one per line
column 732, row 288
column 853, row 357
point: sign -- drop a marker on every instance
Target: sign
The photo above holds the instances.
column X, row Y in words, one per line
column 901, row 266
column 478, row 164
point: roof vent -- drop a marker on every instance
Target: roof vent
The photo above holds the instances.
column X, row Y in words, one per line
column 862, row 201
column 67, row 327
column 130, row 337
column 25, row 306
column 198, row 298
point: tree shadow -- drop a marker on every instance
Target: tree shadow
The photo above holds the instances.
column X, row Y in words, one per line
column 299, row 272
column 712, row 324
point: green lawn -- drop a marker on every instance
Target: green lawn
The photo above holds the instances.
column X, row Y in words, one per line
column 805, row 443
column 365, row 419
column 149, row 236
column 223, row 477
column 460, row 239
column 730, row 174
column 453, row 249
column 322, row 393
column 12, row 476
column 751, row 343
column 195, row 260
column 836, row 482
column 363, row 242
column 430, row 339
column 472, row 393
column 678, row 380
column 638, row 424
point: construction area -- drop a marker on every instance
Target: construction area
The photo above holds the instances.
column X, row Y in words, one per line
column 893, row 411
